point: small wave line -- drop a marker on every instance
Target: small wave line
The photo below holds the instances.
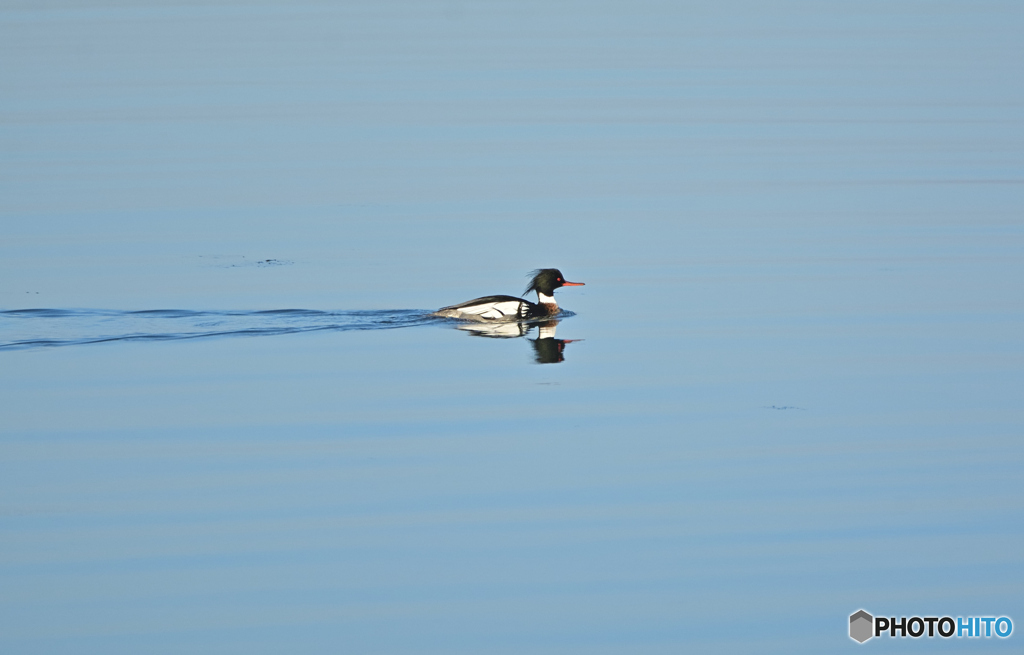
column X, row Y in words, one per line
column 46, row 328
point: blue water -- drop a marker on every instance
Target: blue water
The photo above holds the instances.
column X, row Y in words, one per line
column 790, row 389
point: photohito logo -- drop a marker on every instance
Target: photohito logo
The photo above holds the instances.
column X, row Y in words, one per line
column 863, row 626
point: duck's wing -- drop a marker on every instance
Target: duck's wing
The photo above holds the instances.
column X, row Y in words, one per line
column 489, row 308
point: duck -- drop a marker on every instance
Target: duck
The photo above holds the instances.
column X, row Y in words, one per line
column 511, row 308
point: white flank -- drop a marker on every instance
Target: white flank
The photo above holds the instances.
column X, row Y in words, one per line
column 492, row 311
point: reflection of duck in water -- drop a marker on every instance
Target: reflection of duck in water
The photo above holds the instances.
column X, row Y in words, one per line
column 546, row 348
column 510, row 308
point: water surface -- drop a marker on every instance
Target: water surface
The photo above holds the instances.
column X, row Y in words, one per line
column 791, row 388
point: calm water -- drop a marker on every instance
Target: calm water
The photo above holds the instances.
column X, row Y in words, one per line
column 792, row 388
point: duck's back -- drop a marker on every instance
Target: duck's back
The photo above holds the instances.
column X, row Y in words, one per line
column 491, row 308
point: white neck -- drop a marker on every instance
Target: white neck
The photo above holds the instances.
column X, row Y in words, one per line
column 546, row 300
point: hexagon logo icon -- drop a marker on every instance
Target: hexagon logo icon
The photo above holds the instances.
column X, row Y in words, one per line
column 861, row 624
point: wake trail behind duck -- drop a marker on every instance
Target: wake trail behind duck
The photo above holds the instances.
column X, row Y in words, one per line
column 40, row 328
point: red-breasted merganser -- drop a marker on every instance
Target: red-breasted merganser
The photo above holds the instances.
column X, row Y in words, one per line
column 510, row 308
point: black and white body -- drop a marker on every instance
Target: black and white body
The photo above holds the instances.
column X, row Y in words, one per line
column 510, row 308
